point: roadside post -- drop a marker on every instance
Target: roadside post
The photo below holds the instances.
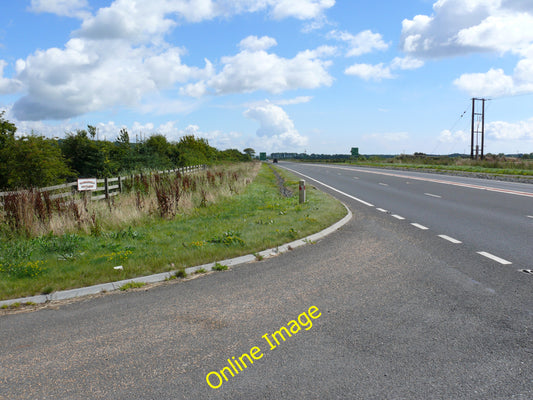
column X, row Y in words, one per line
column 302, row 191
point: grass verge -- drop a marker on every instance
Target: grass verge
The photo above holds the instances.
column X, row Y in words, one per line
column 255, row 219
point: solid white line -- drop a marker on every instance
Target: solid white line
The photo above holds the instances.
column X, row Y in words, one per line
column 450, row 239
column 398, row 217
column 493, row 257
column 381, row 209
column 433, row 195
column 332, row 188
column 442, row 181
column 424, row 228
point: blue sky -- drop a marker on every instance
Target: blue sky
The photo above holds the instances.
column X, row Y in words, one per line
column 319, row 76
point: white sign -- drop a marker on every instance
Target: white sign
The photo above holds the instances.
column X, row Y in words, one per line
column 86, row 184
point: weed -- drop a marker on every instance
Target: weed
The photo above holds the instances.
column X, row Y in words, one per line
column 47, row 290
column 219, row 267
column 180, row 273
column 132, row 285
column 200, row 271
column 258, row 257
column 228, row 238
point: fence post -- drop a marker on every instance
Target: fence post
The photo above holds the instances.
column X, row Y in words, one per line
column 106, row 188
column 120, row 184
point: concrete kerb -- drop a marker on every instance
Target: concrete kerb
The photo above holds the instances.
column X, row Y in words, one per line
column 111, row 286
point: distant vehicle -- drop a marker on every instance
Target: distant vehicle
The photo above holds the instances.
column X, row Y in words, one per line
column 275, row 160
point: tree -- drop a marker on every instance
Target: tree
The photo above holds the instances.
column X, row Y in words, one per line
column 34, row 161
column 250, row 152
column 7, row 130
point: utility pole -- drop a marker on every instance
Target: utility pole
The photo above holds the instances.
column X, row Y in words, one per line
column 477, row 130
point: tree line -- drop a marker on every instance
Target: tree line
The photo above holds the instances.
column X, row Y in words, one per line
column 36, row 161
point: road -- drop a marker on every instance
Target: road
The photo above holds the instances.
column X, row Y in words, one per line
column 402, row 313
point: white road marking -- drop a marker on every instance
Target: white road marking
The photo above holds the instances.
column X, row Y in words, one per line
column 467, row 185
column 383, row 184
column 356, row 177
column 332, row 188
column 530, row 216
column 424, row 228
column 450, row 239
column 398, row 217
column 381, row 209
column 433, row 195
column 495, row 258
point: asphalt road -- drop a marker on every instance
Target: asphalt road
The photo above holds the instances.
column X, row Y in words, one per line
column 404, row 314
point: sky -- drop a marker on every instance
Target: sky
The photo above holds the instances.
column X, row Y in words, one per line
column 315, row 76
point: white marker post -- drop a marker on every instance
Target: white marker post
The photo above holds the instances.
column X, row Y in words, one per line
column 302, row 191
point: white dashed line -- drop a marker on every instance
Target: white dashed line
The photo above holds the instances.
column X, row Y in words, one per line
column 493, row 257
column 450, row 239
column 433, row 195
column 356, row 177
column 398, row 217
column 424, row 228
column 530, row 216
column 383, row 184
column 381, row 209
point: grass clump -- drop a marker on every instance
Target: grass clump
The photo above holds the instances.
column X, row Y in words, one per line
column 219, row 267
column 132, row 285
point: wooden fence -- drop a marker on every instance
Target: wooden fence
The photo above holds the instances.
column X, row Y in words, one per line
column 106, row 187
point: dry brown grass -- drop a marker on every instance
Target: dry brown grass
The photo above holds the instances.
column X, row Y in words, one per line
column 30, row 213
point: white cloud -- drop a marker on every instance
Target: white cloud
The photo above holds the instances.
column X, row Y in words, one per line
column 67, row 8
column 508, row 131
column 447, row 136
column 250, row 71
column 277, row 130
column 149, row 20
column 459, row 27
column 495, row 82
column 300, row 9
column 253, row 43
column 89, row 75
column 8, row 86
column 363, row 43
column 370, row 72
column 406, row 63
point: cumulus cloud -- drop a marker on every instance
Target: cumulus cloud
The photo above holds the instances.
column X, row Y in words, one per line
column 89, row 75
column 277, row 130
column 156, row 17
column 66, row 8
column 119, row 56
column 459, row 27
column 362, row 43
column 496, row 82
column 447, row 136
column 253, row 43
column 300, row 9
column 370, row 72
column 8, row 86
column 252, row 70
column 522, row 130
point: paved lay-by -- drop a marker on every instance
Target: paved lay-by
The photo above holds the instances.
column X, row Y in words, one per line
column 381, row 309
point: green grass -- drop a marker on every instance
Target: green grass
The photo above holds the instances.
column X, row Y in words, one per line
column 459, row 168
column 256, row 219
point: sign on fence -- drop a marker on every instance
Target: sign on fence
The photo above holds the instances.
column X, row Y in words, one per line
column 87, row 184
